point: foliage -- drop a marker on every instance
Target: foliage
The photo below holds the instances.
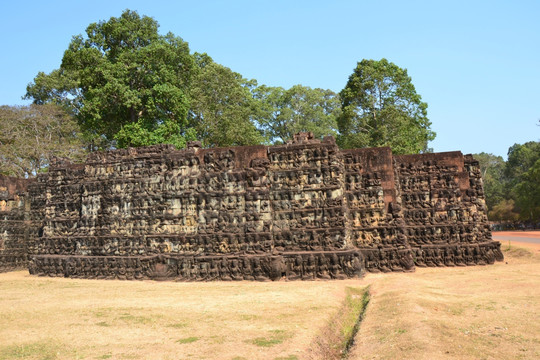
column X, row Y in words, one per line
column 31, row 136
column 300, row 108
column 127, row 85
column 59, row 87
column 512, row 188
column 222, row 109
column 523, row 185
column 492, row 168
column 381, row 108
column 527, row 193
column 521, row 157
column 123, row 81
column 504, row 211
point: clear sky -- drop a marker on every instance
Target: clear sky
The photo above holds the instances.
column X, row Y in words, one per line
column 476, row 63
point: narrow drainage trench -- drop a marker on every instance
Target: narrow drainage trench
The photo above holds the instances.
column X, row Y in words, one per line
column 350, row 341
column 336, row 338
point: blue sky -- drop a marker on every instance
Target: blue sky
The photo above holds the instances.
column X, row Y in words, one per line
column 476, row 63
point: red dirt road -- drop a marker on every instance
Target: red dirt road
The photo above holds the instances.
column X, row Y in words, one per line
column 526, row 239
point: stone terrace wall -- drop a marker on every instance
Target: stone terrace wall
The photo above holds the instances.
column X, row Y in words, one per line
column 197, row 214
column 16, row 231
column 302, row 210
column 444, row 210
column 375, row 222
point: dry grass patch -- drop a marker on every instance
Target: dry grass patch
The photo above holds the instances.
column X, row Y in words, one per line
column 56, row 318
column 481, row 312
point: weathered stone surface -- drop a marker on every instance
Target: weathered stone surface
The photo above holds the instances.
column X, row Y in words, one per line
column 16, row 230
column 303, row 210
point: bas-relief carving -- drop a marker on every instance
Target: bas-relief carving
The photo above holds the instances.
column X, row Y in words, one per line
column 302, row 210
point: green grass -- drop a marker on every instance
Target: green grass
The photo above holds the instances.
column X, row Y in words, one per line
column 276, row 337
column 108, row 318
column 187, row 340
column 355, row 305
column 43, row 350
column 337, row 337
column 136, row 319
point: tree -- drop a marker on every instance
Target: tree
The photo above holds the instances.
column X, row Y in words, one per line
column 521, row 157
column 504, row 211
column 521, row 185
column 222, row 108
column 300, row 108
column 31, row 136
column 527, row 193
column 124, row 82
column 381, row 108
column 492, row 168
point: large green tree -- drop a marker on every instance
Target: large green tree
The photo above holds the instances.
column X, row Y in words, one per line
column 222, row 108
column 512, row 188
column 521, row 157
column 32, row 136
column 523, row 173
column 124, row 81
column 300, row 108
column 527, row 193
column 382, row 108
column 492, row 168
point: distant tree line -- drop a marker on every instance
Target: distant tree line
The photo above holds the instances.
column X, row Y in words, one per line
column 512, row 187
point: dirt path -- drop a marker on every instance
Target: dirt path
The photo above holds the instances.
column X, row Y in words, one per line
column 526, row 239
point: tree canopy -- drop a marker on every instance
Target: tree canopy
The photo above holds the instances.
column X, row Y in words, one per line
column 124, row 82
column 523, row 178
column 381, row 108
column 512, row 188
column 222, row 108
column 492, row 168
column 521, row 157
column 300, row 108
column 128, row 85
column 31, row 136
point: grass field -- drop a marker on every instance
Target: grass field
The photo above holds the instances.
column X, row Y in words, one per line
column 482, row 312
